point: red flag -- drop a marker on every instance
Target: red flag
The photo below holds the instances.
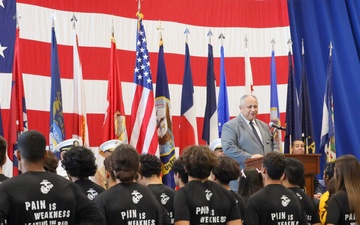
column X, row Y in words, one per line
column 18, row 118
column 143, row 120
column 114, row 124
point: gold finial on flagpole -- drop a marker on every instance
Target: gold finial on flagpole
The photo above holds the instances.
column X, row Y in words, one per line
column 331, row 48
column 290, row 45
column 74, row 20
column 221, row 37
column 186, row 32
column 17, row 18
column 209, row 34
column 246, row 41
column 273, row 43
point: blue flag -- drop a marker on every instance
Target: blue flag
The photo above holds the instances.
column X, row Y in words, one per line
column 293, row 126
column 164, row 121
column 328, row 128
column 305, row 109
column 274, row 102
column 210, row 128
column 223, row 105
column 57, row 125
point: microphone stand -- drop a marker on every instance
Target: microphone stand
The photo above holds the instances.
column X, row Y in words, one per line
column 271, row 139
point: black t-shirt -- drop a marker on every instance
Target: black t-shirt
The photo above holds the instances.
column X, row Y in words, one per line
column 312, row 214
column 205, row 203
column 127, row 204
column 45, row 198
column 165, row 195
column 338, row 211
column 240, row 202
column 272, row 205
column 3, row 177
column 90, row 189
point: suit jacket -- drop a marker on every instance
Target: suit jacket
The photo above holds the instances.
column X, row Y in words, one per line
column 239, row 142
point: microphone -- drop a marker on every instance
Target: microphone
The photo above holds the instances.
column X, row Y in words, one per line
column 272, row 124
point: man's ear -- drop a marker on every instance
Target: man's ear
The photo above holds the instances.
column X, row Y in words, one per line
column 283, row 177
column 18, row 155
column 107, row 174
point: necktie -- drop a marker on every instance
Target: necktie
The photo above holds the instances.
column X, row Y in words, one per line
column 256, row 133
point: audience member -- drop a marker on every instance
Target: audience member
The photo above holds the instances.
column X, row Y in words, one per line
column 51, row 162
column 274, row 204
column 61, row 148
column 109, row 173
column 344, row 205
column 79, row 163
column 180, row 175
column 150, row 171
column 40, row 197
column 294, row 173
column 328, row 175
column 250, row 182
column 228, row 170
column 216, row 147
column 129, row 202
column 202, row 201
column 3, row 149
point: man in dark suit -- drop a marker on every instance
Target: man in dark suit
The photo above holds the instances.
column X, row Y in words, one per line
column 242, row 140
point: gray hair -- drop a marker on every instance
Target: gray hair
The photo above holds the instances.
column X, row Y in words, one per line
column 242, row 99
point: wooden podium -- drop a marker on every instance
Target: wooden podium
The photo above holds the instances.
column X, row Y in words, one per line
column 311, row 165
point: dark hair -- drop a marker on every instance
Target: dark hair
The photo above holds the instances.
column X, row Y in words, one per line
column 32, row 145
column 108, row 167
column 294, row 171
column 150, row 165
column 178, row 167
column 274, row 163
column 329, row 170
column 199, row 161
column 125, row 162
column 51, row 162
column 79, row 162
column 3, row 147
column 250, row 182
column 227, row 170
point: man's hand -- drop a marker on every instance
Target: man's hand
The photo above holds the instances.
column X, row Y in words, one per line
column 256, row 156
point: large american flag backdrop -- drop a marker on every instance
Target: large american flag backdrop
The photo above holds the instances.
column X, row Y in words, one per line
column 260, row 21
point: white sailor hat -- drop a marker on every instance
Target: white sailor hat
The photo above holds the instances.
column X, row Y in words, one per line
column 67, row 144
column 215, row 144
column 109, row 145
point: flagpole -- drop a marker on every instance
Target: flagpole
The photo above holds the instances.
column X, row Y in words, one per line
column 305, row 137
column 290, row 136
column 74, row 20
column 221, row 37
column 186, row 32
column 209, row 34
column 331, row 48
column 160, row 29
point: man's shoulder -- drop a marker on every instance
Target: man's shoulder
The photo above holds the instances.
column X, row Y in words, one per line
column 234, row 121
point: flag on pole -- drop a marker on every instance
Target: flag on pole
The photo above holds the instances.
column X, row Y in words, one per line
column 274, row 102
column 293, row 127
column 188, row 127
column 164, row 121
column 210, row 128
column 223, row 106
column 81, row 130
column 248, row 74
column 57, row 125
column 328, row 127
column 115, row 122
column 305, row 109
column 1, row 124
column 18, row 116
column 143, row 119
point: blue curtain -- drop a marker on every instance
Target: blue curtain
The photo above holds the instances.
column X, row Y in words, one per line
column 319, row 22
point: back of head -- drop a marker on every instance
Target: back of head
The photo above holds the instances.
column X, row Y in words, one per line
column 108, row 167
column 329, row 170
column 250, row 182
column 199, row 161
column 347, row 177
column 294, row 171
column 79, row 162
column 178, row 167
column 275, row 164
column 125, row 163
column 150, row 165
column 51, row 162
column 227, row 170
column 3, row 147
column 32, row 145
